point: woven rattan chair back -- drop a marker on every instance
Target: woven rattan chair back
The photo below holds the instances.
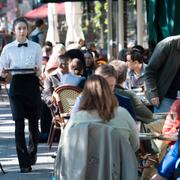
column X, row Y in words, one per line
column 65, row 97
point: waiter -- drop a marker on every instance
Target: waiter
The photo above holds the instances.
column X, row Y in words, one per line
column 24, row 92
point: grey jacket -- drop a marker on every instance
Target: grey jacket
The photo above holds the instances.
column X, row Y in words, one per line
column 50, row 83
column 94, row 151
column 162, row 67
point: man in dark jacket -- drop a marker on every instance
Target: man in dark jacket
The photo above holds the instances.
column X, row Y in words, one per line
column 162, row 74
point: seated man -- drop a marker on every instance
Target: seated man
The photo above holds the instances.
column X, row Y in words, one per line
column 136, row 69
column 52, row 81
column 143, row 114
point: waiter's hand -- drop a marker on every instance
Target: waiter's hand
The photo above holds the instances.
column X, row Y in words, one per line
column 155, row 101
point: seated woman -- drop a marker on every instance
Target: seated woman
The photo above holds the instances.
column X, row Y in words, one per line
column 172, row 122
column 171, row 127
column 57, row 50
column 99, row 103
column 79, row 155
column 74, row 77
column 89, row 64
column 109, row 73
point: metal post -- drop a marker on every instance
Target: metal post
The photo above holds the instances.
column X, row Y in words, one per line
column 140, row 22
column 120, row 25
column 110, row 41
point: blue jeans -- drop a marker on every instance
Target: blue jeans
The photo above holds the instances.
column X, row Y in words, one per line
column 164, row 106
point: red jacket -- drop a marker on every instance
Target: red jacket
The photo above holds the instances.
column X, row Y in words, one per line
column 172, row 122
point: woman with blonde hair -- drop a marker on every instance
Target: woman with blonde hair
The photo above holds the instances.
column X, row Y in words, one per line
column 53, row 63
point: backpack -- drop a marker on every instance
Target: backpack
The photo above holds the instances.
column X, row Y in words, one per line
column 177, row 167
column 35, row 37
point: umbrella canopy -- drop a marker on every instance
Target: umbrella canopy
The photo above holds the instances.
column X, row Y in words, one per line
column 42, row 11
column 73, row 19
column 53, row 32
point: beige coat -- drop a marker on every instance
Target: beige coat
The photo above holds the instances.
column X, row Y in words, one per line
column 94, row 151
column 122, row 121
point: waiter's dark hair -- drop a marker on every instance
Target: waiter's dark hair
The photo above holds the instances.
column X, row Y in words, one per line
column 18, row 20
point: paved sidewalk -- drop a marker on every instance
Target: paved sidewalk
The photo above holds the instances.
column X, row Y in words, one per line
column 44, row 167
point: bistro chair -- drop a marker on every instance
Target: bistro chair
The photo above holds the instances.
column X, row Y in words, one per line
column 65, row 97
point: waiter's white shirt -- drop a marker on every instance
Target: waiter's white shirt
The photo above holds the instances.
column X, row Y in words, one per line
column 16, row 57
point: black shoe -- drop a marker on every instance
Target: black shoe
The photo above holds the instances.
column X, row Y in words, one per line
column 26, row 169
column 33, row 160
column 54, row 155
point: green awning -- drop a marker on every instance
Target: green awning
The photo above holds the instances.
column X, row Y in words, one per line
column 163, row 20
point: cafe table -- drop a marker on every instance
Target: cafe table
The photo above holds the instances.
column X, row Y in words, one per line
column 150, row 136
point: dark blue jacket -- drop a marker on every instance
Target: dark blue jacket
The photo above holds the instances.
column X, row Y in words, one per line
column 125, row 102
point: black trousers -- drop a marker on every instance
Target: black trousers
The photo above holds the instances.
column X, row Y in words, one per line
column 46, row 118
column 25, row 105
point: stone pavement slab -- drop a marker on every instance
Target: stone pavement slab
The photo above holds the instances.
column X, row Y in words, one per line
column 44, row 167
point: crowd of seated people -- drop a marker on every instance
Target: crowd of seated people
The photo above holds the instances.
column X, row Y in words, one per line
column 108, row 96
column 76, row 66
column 97, row 105
column 142, row 113
column 109, row 73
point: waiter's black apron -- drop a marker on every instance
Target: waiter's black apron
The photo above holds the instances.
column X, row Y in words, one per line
column 25, row 87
